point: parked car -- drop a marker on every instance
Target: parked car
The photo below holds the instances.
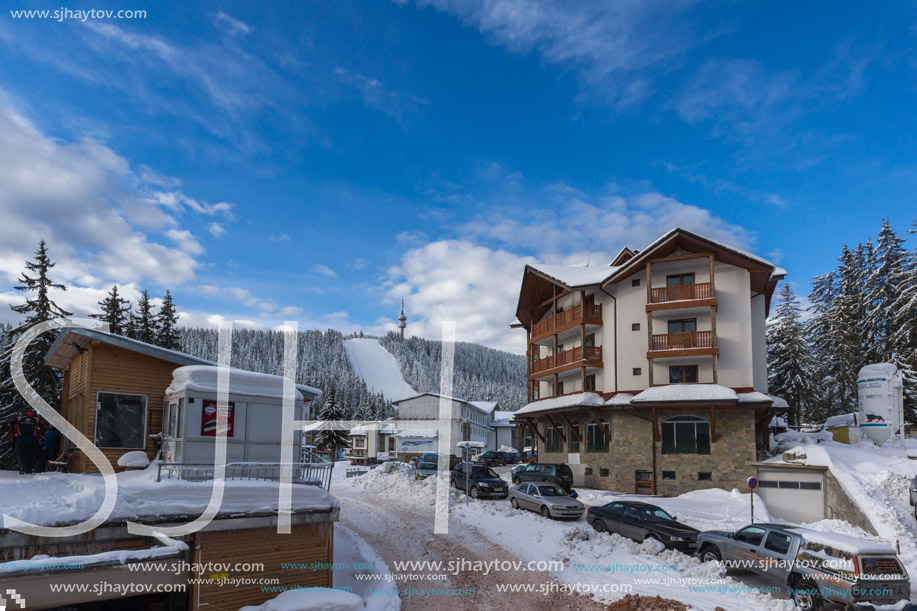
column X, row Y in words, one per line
column 641, row 521
column 512, row 458
column 817, row 566
column 914, row 496
column 415, row 461
column 482, row 481
column 425, row 469
column 434, row 457
column 550, row 500
column 555, row 473
column 526, row 456
column 372, row 462
column 492, row 459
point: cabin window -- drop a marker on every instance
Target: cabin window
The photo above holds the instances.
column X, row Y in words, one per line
column 638, row 371
column 683, row 374
column 595, row 438
column 685, row 435
column 559, row 389
column 120, row 421
column 704, row 476
column 683, row 326
column 668, row 475
column 552, row 440
column 603, row 473
column 635, row 282
column 590, row 340
column 635, row 326
column 588, row 471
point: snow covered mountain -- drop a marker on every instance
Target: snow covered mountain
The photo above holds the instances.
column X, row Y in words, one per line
column 378, row 368
column 366, row 374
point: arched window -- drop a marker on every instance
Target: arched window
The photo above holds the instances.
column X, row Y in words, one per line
column 685, row 435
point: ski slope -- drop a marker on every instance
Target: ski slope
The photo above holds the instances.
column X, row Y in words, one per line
column 378, row 368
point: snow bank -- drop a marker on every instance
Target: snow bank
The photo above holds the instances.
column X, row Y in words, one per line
column 352, row 552
column 378, row 368
column 877, row 480
column 52, row 499
column 134, row 460
column 312, row 599
column 784, row 442
column 203, row 378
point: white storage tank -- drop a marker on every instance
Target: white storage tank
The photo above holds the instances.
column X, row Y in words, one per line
column 881, row 401
column 254, row 429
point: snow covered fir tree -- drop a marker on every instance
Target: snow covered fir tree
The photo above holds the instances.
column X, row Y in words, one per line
column 331, row 439
column 790, row 364
column 36, row 284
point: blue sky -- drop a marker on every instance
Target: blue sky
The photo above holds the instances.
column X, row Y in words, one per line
column 315, row 161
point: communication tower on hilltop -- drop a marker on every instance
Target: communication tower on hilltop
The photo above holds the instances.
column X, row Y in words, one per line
column 402, row 319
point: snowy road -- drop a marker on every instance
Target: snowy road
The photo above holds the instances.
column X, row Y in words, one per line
column 394, row 514
column 400, row 531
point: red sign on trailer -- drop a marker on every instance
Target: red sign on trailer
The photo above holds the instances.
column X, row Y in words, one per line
column 209, row 420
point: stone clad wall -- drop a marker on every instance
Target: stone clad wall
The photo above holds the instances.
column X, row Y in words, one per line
column 631, row 450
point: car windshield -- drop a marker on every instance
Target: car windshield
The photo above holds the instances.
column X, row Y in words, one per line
column 429, row 465
column 484, row 472
column 655, row 514
column 551, row 491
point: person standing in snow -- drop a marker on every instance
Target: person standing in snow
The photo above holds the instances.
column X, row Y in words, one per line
column 50, row 448
column 29, row 432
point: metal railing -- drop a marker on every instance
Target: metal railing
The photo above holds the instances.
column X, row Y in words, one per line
column 305, row 473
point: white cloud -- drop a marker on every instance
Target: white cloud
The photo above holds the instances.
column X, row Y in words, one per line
column 231, row 25
column 101, row 221
column 616, row 48
column 358, row 264
column 475, row 286
column 280, row 238
column 216, row 230
column 324, row 270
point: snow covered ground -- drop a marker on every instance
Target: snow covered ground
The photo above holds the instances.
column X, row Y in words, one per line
column 588, row 560
column 877, row 480
column 378, row 368
column 61, row 498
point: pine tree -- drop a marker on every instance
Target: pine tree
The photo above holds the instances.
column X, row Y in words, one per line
column 789, row 360
column 38, row 308
column 167, row 324
column 884, row 285
column 143, row 324
column 115, row 312
column 332, row 439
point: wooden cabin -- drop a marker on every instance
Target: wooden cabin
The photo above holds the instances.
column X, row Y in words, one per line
column 114, row 391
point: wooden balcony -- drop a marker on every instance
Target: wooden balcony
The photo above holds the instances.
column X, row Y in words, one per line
column 687, row 343
column 682, row 296
column 568, row 359
column 590, row 314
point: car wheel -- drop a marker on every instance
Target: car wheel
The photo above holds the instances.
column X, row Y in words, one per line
column 514, row 503
column 474, row 492
column 516, row 481
column 806, row 597
column 455, row 484
column 710, row 553
column 599, row 526
column 545, row 512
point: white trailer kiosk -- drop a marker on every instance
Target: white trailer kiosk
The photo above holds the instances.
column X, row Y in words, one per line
column 254, row 421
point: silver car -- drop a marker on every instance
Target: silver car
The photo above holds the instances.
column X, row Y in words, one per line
column 549, row 500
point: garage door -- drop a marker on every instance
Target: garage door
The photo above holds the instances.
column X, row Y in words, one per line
column 793, row 495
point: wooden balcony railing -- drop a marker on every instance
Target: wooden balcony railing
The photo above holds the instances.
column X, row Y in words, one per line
column 567, row 357
column 681, row 341
column 590, row 313
column 684, row 292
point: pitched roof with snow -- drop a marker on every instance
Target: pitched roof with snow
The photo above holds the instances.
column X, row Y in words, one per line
column 686, row 392
column 487, row 406
column 576, row 275
column 204, row 378
column 585, row 399
column 501, row 418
